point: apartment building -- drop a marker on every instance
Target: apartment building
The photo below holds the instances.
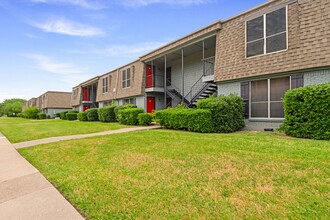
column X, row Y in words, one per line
column 51, row 102
column 30, row 103
column 258, row 55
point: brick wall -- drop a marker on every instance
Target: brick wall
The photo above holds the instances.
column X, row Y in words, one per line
column 308, row 44
column 229, row 88
column 317, row 77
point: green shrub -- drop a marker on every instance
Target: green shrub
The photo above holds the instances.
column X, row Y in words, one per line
column 307, row 112
column 20, row 115
column 42, row 116
column 58, row 115
column 92, row 114
column 31, row 112
column 197, row 120
column 144, row 119
column 122, row 107
column 49, row 117
column 107, row 114
column 82, row 116
column 71, row 116
column 63, row 115
column 129, row 116
column 227, row 112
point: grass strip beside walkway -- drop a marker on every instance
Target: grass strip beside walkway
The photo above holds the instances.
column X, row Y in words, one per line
column 181, row 175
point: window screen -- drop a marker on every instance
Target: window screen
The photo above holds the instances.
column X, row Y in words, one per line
column 126, row 78
column 276, row 43
column 297, row 81
column 272, row 35
column 255, row 29
column 259, row 99
column 245, row 94
column 276, row 22
column 255, row 48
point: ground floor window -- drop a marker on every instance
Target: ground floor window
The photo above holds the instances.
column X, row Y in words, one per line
column 264, row 98
column 130, row 101
column 267, row 97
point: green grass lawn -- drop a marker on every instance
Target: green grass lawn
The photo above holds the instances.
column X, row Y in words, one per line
column 20, row 129
column 163, row 174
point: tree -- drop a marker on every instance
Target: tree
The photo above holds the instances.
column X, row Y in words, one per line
column 31, row 112
column 11, row 107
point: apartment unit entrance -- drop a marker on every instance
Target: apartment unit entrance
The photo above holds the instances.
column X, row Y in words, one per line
column 150, row 104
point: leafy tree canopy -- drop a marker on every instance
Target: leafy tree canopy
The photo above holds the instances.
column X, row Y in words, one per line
column 11, row 107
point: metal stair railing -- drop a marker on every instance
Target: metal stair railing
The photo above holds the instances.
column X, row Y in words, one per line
column 175, row 93
column 208, row 66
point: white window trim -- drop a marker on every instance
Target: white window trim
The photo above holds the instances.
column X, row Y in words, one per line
column 122, row 80
column 105, row 87
column 268, row 101
column 265, row 35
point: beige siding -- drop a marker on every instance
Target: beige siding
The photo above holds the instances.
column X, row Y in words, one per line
column 308, row 43
column 116, row 91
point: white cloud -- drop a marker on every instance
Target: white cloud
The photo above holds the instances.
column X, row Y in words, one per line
column 69, row 73
column 94, row 5
column 135, row 50
column 139, row 3
column 66, row 27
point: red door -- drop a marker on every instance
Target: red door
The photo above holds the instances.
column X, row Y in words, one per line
column 86, row 94
column 149, row 76
column 150, row 104
column 86, row 107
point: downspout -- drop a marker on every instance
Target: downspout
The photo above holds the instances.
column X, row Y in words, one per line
column 182, row 51
column 116, row 88
column 165, row 66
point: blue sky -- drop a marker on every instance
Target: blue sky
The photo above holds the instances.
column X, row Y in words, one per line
column 56, row 44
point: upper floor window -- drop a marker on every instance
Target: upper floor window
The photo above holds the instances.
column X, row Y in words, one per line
column 105, row 84
column 267, row 33
column 75, row 93
column 126, row 78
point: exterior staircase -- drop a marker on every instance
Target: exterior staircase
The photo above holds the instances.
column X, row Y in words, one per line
column 199, row 90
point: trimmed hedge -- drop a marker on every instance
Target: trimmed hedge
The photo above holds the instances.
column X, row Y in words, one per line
column 49, row 117
column 20, row 115
column 92, row 114
column 227, row 112
column 63, row 115
column 129, row 116
column 307, row 112
column 122, row 107
column 42, row 116
column 107, row 114
column 197, row 120
column 71, row 116
column 144, row 119
column 82, row 116
column 58, row 115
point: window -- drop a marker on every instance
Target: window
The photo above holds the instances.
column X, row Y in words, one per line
column 267, row 97
column 105, row 84
column 126, row 78
column 129, row 101
column 75, row 93
column 267, row 33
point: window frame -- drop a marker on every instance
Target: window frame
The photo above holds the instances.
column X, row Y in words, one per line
column 265, row 34
column 124, row 81
column 129, row 101
column 105, row 84
column 268, row 99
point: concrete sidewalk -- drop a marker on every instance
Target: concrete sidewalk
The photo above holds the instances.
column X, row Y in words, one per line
column 79, row 136
column 25, row 193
